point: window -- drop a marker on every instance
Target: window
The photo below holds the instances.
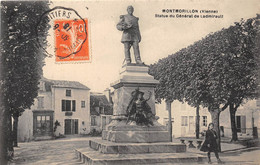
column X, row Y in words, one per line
column 204, row 121
column 102, row 110
column 83, row 105
column 184, row 121
column 109, row 119
column 41, row 86
column 43, row 124
column 40, row 102
column 93, row 121
column 258, row 102
column 68, row 105
column 68, row 92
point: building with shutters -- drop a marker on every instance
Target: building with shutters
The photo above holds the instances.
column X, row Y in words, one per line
column 101, row 110
column 184, row 119
column 63, row 106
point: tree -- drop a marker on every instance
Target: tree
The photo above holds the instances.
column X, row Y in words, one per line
column 203, row 85
column 215, row 72
column 164, row 90
column 244, row 61
column 241, row 66
column 198, row 122
column 22, row 61
column 169, row 109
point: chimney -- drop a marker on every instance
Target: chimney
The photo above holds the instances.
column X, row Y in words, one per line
column 108, row 95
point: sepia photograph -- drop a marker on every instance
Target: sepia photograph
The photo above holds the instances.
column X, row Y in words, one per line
column 114, row 82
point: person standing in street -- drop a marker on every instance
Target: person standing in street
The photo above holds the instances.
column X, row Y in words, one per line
column 210, row 143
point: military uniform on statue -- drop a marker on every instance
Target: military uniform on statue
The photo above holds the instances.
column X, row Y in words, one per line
column 131, row 35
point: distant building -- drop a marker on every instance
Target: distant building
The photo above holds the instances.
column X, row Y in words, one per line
column 184, row 119
column 63, row 102
column 101, row 110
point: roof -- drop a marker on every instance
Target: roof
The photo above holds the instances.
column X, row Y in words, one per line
column 100, row 100
column 63, row 84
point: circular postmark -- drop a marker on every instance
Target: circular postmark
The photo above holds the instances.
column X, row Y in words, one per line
column 67, row 34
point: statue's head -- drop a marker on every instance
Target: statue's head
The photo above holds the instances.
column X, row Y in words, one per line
column 130, row 10
column 140, row 95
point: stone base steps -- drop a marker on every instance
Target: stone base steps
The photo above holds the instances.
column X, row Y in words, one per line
column 92, row 157
column 136, row 136
column 39, row 138
column 107, row 147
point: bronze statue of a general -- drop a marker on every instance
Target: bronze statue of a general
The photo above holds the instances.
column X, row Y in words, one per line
column 131, row 35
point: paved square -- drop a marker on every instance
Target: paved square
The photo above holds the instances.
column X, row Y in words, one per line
column 62, row 151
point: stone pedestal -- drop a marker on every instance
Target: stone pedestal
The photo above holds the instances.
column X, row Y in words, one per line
column 108, row 147
column 131, row 78
column 119, row 131
column 125, row 142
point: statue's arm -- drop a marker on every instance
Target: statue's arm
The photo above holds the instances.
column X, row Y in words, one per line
column 150, row 94
column 138, row 33
column 120, row 25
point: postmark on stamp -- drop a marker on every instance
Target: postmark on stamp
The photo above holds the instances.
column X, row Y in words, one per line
column 68, row 33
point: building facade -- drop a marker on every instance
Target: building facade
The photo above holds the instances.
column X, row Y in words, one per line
column 101, row 110
column 184, row 119
column 61, row 108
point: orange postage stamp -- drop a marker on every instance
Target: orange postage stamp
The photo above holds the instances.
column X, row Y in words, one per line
column 71, row 41
column 69, row 36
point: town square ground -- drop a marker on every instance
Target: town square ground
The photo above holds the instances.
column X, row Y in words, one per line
column 62, row 151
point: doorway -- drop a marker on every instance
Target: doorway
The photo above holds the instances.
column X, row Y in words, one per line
column 191, row 124
column 241, row 124
column 103, row 126
column 71, row 126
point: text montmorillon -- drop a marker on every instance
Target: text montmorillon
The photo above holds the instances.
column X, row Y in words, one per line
column 188, row 11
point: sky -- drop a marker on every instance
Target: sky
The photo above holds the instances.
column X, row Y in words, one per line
column 160, row 36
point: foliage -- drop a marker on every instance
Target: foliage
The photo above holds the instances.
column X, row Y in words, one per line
column 220, row 68
column 95, row 132
column 22, row 59
column 214, row 72
column 56, row 124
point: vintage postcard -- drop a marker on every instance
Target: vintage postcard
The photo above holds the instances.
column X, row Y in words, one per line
column 130, row 82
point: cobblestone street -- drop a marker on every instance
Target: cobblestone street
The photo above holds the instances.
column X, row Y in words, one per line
column 61, row 151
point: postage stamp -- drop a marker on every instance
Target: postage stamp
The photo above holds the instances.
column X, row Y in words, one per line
column 68, row 31
column 69, row 37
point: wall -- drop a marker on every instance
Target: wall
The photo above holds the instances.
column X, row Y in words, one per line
column 183, row 109
column 178, row 110
column 25, row 121
column 82, row 114
column 246, row 110
column 97, row 127
column 25, row 126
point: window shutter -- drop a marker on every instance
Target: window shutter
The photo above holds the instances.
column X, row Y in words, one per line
column 243, row 124
column 76, row 126
column 73, row 105
column 63, row 105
